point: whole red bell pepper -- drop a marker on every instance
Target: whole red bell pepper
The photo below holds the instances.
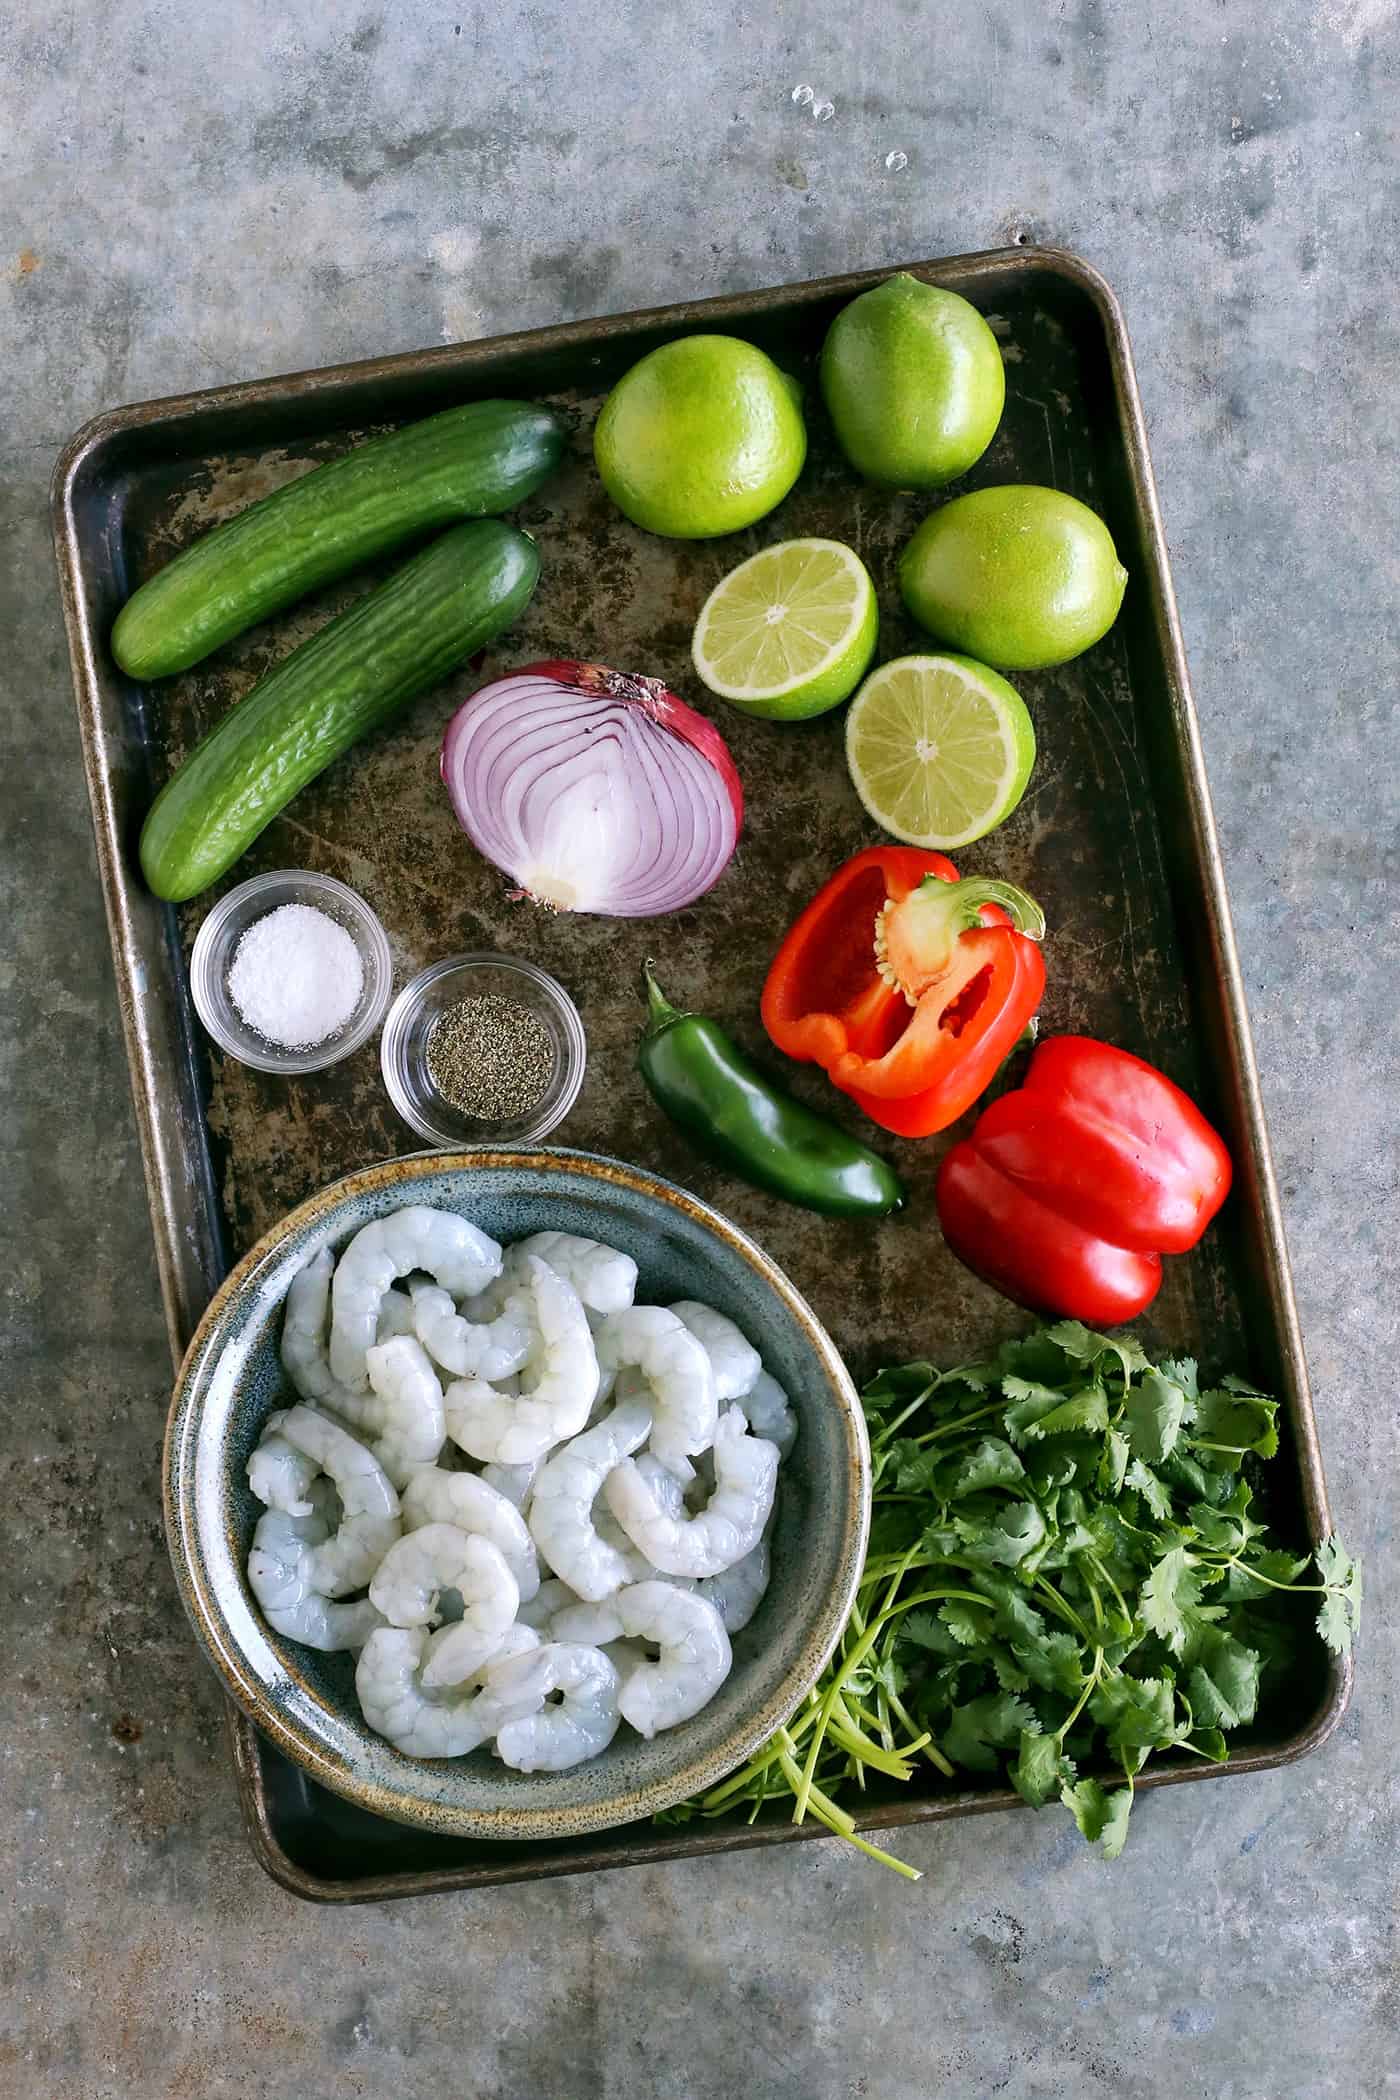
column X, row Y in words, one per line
column 1070, row 1189
column 907, row 984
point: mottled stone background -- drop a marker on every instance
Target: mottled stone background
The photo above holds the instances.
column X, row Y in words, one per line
column 193, row 195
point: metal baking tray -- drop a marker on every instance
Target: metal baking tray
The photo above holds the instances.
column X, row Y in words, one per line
column 1115, row 838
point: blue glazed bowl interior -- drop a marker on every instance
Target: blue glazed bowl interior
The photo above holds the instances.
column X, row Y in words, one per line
column 232, row 1379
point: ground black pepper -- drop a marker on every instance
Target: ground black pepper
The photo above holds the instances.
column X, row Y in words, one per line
column 491, row 1058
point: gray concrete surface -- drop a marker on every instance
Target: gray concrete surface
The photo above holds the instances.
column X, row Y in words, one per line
column 195, row 194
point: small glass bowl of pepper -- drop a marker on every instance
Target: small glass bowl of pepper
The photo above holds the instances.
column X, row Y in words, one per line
column 483, row 1049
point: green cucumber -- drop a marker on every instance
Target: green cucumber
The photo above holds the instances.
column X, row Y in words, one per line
column 466, row 463
column 391, row 645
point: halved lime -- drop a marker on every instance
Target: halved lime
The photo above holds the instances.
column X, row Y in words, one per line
column 940, row 749
column 790, row 632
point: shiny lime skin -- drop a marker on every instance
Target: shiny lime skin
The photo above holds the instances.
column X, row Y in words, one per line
column 702, row 437
column 1020, row 577
column 913, row 381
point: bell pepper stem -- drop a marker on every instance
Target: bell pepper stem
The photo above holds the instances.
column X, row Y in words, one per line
column 914, row 939
column 660, row 1012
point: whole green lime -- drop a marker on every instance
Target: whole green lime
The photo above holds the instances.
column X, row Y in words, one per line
column 913, row 382
column 702, row 437
column 1019, row 577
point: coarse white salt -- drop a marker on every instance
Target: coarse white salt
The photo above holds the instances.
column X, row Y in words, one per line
column 296, row 977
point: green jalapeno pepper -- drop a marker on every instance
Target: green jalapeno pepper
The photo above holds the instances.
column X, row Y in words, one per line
column 707, row 1086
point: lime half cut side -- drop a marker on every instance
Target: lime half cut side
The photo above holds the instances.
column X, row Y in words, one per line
column 790, row 632
column 940, row 749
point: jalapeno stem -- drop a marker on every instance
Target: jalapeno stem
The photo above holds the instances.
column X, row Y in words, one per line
column 660, row 1012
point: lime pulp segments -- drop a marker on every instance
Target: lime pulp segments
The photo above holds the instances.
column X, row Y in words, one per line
column 790, row 632
column 940, row 749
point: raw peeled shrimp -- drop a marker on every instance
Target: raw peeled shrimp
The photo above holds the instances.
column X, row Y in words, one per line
column 437, row 1557
column 731, row 1523
column 369, row 1522
column 737, row 1592
column 581, row 1726
column 551, row 1597
column 410, row 1429
column 695, row 1655
column 670, row 1495
column 449, row 1659
column 561, row 1508
column 279, row 1575
column 432, row 1496
column 280, row 1475
column 558, row 1383
column 677, row 1371
column 304, row 1357
column 770, row 1414
column 419, row 1721
column 605, row 1280
column 516, row 1483
column 733, row 1358
column 461, row 1258
column 492, row 1351
column 395, row 1316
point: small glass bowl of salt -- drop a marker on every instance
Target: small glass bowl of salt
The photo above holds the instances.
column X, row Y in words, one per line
column 291, row 972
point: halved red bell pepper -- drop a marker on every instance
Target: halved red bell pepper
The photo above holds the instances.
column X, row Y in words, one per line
column 907, row 984
column 1071, row 1188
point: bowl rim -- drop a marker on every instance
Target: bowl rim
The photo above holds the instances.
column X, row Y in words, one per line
column 573, row 1066
column 372, row 936
column 513, row 1822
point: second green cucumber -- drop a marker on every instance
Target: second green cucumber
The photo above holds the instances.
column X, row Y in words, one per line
column 466, row 463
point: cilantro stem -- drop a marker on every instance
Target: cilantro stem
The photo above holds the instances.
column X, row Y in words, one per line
column 1292, row 1589
column 836, row 1819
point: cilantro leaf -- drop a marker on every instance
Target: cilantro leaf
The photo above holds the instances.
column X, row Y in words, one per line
column 1055, row 1664
column 922, row 1630
column 1086, row 1410
column 1083, row 1345
column 1339, row 1616
column 1102, row 1817
column 1181, row 1370
column 991, row 1464
column 1155, row 1411
column 1041, row 1768
column 1016, row 1617
column 1158, row 1501
column 1028, row 1402
column 983, row 1726
column 1232, row 1423
column 969, row 1624
column 1222, row 1680
column 1009, row 1673
column 912, row 1468
column 1114, row 1464
column 1005, row 1540
column 1137, row 1714
column 897, row 1385
column 1169, row 1593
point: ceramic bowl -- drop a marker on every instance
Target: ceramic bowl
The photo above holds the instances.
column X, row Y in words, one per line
column 231, row 1380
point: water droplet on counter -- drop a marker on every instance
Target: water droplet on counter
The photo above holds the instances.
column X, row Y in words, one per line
column 823, row 112
column 896, row 162
column 802, row 94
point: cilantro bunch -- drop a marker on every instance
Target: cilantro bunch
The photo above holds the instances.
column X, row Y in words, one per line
column 1063, row 1572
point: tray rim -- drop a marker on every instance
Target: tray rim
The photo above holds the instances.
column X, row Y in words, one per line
column 183, row 1264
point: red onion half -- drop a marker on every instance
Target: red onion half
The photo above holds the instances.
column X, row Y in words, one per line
column 594, row 790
